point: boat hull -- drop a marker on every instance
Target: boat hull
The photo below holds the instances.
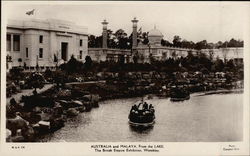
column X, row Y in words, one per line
column 179, row 99
column 141, row 124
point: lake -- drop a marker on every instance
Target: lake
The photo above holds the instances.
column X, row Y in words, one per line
column 208, row 118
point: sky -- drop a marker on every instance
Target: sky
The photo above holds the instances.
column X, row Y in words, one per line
column 193, row 21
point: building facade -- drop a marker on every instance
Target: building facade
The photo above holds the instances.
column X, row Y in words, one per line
column 114, row 55
column 44, row 43
column 143, row 52
column 108, row 54
column 225, row 54
column 158, row 52
column 154, row 50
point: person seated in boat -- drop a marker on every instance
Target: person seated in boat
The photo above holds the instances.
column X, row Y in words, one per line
column 145, row 106
column 151, row 108
column 134, row 108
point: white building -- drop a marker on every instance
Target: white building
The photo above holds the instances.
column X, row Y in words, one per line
column 157, row 51
column 161, row 53
column 224, row 53
column 44, row 43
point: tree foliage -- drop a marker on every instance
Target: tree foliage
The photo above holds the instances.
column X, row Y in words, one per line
column 119, row 39
column 88, row 62
column 73, row 65
column 36, row 80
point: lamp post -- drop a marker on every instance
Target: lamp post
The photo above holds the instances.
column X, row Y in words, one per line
column 37, row 66
column 8, row 60
column 149, row 46
column 149, row 52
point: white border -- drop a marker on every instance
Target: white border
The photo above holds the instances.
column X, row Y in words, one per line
column 170, row 148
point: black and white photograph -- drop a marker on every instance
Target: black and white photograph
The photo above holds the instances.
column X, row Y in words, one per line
column 88, row 72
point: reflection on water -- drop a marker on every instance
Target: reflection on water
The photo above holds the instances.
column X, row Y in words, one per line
column 141, row 130
column 215, row 117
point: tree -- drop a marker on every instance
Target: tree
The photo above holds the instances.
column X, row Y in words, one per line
column 201, row 45
column 164, row 56
column 20, row 61
column 165, row 43
column 48, row 73
column 73, row 65
column 204, row 70
column 211, row 54
column 91, row 41
column 219, row 65
column 121, row 39
column 145, row 38
column 141, row 57
column 94, row 41
column 205, row 61
column 136, row 57
column 228, row 77
column 88, row 62
column 99, row 41
column 16, row 74
column 187, row 44
column 59, row 77
column 24, row 65
column 36, row 80
column 174, row 55
column 111, row 39
column 210, row 45
column 230, row 64
column 151, row 58
column 120, row 33
column 121, row 59
column 177, row 41
column 37, row 66
column 219, row 44
column 190, row 54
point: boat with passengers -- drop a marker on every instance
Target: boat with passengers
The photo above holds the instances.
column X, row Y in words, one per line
column 142, row 114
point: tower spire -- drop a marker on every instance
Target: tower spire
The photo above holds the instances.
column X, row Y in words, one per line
column 134, row 21
column 104, row 34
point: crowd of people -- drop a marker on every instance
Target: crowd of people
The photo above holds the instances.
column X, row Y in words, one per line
column 142, row 108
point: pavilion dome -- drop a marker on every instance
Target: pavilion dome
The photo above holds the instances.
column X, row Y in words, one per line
column 155, row 32
column 155, row 36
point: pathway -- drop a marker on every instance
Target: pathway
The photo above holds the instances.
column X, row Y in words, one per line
column 28, row 92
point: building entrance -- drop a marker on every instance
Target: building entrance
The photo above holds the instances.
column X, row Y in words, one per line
column 64, row 50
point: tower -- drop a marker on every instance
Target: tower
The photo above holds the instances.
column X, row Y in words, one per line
column 134, row 38
column 104, row 34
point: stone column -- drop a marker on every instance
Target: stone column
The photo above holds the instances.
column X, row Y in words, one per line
column 134, row 44
column 104, row 35
column 11, row 51
column 11, row 43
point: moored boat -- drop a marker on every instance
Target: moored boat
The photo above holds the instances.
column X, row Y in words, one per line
column 179, row 93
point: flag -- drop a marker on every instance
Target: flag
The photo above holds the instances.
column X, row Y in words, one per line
column 30, row 12
column 139, row 31
column 139, row 34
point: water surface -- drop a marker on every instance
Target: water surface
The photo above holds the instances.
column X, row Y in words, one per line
column 210, row 118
